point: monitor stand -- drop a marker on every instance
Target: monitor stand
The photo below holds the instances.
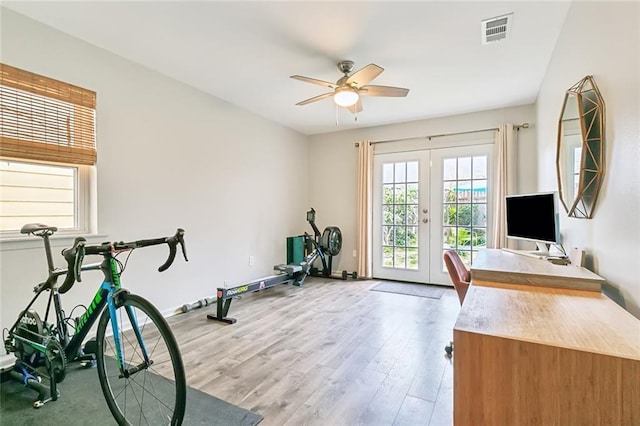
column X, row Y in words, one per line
column 541, row 251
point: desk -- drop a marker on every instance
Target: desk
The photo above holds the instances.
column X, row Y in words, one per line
column 535, row 355
column 494, row 265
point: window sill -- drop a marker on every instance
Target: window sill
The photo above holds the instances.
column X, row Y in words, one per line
column 60, row 240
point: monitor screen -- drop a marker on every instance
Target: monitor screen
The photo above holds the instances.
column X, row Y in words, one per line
column 533, row 217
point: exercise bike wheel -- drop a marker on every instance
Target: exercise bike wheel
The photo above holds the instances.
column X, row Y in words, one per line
column 331, row 240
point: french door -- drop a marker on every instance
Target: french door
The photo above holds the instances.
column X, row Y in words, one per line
column 400, row 215
column 426, row 202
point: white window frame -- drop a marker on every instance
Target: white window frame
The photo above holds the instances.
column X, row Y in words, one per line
column 85, row 201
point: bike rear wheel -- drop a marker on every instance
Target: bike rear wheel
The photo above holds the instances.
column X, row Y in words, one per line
column 155, row 394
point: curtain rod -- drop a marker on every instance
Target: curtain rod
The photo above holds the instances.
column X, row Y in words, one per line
column 517, row 126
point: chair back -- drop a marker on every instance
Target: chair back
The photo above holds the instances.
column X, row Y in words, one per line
column 458, row 272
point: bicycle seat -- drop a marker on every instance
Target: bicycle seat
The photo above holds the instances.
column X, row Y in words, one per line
column 32, row 228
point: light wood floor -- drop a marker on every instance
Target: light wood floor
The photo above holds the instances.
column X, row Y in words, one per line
column 327, row 353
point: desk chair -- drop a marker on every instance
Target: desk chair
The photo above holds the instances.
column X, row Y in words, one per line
column 459, row 274
column 461, row 279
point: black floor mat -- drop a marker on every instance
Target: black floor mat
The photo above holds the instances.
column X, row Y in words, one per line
column 82, row 403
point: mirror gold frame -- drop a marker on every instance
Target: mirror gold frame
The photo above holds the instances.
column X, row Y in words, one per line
column 580, row 149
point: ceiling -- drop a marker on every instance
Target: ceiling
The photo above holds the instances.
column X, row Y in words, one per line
column 244, row 52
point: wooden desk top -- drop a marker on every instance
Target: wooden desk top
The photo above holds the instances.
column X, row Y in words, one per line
column 502, row 266
column 574, row 319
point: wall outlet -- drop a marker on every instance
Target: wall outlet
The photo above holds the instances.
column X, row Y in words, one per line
column 355, row 253
column 226, row 283
column 252, row 260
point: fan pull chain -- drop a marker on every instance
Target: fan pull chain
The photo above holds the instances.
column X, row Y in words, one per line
column 337, row 121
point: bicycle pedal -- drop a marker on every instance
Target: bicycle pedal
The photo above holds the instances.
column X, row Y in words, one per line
column 90, row 347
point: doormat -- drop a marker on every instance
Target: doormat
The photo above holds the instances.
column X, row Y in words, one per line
column 82, row 403
column 410, row 289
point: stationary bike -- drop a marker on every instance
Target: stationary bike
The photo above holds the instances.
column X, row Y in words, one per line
column 133, row 341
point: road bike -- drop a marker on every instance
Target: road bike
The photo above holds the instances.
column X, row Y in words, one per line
column 139, row 365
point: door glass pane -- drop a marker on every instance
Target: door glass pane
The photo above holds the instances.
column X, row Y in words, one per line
column 412, row 236
column 400, row 194
column 464, row 191
column 448, row 237
column 399, row 209
column 412, row 171
column 480, row 167
column 464, row 168
column 464, row 214
column 412, row 258
column 449, row 213
column 387, row 256
column 387, row 215
column 480, row 191
column 387, row 235
column 401, row 215
column 399, row 258
column 412, row 215
column 449, row 168
column 449, row 192
column 401, row 233
column 464, row 205
column 387, row 173
column 479, row 238
column 400, row 172
column 412, row 193
column 387, row 194
column 479, row 218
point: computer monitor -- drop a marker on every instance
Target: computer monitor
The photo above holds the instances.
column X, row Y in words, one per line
column 533, row 217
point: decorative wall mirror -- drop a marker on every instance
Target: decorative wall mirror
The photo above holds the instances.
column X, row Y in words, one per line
column 580, row 151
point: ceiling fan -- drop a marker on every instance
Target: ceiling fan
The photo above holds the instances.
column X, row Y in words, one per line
column 349, row 88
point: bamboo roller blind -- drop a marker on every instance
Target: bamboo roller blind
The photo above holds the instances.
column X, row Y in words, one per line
column 45, row 119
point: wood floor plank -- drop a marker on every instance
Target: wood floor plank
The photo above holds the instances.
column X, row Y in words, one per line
column 442, row 414
column 328, row 353
column 386, row 403
column 414, row 412
column 321, row 404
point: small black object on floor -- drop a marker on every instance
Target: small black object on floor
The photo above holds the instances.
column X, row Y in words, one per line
column 82, row 403
column 410, row 289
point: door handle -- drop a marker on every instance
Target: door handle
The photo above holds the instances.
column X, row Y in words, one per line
column 425, row 220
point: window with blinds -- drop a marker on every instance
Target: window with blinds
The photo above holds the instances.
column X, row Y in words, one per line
column 47, row 140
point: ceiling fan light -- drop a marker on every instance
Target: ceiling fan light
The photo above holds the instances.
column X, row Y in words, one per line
column 345, row 96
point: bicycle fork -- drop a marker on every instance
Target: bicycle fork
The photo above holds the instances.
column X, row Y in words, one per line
column 125, row 370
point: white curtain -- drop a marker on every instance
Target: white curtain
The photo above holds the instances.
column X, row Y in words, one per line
column 504, row 173
column 365, row 171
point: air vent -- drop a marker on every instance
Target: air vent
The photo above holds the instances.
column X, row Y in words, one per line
column 496, row 29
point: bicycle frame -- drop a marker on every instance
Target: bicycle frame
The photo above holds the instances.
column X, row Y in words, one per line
column 106, row 296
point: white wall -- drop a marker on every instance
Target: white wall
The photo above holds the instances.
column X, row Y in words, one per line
column 601, row 39
column 333, row 163
column 169, row 156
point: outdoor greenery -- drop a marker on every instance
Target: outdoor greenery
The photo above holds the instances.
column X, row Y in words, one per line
column 464, row 220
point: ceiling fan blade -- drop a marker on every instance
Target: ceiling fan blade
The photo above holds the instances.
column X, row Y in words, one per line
column 389, row 91
column 315, row 98
column 365, row 75
column 357, row 107
column 314, row 81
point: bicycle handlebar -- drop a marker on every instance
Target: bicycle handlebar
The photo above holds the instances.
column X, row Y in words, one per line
column 74, row 255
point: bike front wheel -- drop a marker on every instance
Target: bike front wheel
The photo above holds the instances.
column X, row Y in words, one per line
column 151, row 389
